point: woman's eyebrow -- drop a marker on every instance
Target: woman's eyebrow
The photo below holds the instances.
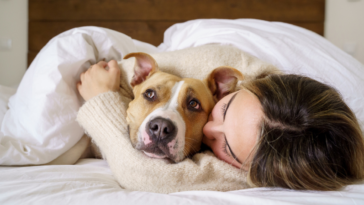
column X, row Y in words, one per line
column 227, row 106
column 231, row 151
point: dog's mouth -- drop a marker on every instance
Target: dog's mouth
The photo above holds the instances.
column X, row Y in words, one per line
column 155, row 150
column 152, row 155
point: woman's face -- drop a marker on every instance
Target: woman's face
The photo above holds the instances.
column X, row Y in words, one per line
column 234, row 127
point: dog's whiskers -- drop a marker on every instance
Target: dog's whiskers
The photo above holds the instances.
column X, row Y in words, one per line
column 193, row 149
column 192, row 139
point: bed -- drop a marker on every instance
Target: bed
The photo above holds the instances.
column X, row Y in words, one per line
column 90, row 181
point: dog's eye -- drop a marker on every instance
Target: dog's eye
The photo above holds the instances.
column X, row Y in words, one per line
column 149, row 94
column 194, row 104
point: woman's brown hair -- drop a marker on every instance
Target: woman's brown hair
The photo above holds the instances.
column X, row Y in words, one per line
column 310, row 138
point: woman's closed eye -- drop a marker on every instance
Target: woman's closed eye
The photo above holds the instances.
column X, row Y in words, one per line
column 226, row 146
column 223, row 108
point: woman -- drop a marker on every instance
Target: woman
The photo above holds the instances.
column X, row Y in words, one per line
column 279, row 131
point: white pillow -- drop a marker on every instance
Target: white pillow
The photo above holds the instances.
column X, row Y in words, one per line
column 40, row 124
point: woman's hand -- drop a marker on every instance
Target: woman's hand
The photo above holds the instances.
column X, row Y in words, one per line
column 97, row 79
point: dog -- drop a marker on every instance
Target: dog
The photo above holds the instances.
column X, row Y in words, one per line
column 166, row 116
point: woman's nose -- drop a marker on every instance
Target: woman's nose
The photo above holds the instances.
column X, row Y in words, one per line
column 211, row 130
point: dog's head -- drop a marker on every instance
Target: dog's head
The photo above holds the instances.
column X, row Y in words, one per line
column 167, row 115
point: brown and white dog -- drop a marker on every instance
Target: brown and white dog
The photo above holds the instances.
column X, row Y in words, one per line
column 168, row 113
column 166, row 116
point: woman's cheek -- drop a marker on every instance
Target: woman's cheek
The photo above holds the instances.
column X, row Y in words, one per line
column 219, row 152
column 217, row 149
column 222, row 156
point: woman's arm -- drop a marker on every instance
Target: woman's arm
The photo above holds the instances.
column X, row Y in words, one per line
column 103, row 117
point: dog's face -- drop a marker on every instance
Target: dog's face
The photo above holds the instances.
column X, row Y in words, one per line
column 167, row 115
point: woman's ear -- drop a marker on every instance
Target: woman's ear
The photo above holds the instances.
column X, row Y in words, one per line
column 144, row 67
column 222, row 81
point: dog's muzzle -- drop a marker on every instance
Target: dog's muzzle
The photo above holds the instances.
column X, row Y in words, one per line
column 161, row 129
column 162, row 138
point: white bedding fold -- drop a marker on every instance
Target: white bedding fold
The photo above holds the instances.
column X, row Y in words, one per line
column 40, row 124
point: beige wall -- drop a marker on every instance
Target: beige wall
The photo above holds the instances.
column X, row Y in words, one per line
column 345, row 26
column 14, row 26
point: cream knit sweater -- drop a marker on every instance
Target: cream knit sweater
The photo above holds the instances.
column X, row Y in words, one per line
column 104, row 119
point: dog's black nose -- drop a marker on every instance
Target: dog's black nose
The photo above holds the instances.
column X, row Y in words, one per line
column 161, row 128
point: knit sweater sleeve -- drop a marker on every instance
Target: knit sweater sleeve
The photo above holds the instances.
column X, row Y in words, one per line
column 104, row 119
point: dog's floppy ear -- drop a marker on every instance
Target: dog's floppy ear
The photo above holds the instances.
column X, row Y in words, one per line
column 222, row 81
column 145, row 65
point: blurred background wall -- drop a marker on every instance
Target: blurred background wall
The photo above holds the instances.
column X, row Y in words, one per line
column 344, row 27
column 13, row 40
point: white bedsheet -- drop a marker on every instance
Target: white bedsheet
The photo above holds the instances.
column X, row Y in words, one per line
column 91, row 182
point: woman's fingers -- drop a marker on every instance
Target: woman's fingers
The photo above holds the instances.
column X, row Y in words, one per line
column 113, row 67
column 98, row 80
column 102, row 64
column 114, row 73
column 112, row 64
column 82, row 76
column 81, row 90
column 79, row 86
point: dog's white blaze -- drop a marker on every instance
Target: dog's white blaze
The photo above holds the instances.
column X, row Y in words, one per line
column 172, row 103
column 169, row 111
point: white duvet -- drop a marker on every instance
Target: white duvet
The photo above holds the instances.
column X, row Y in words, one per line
column 40, row 124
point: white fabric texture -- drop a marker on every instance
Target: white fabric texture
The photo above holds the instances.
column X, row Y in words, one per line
column 91, row 182
column 40, row 124
column 292, row 49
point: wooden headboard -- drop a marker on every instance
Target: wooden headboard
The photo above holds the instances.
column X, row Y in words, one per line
column 146, row 20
